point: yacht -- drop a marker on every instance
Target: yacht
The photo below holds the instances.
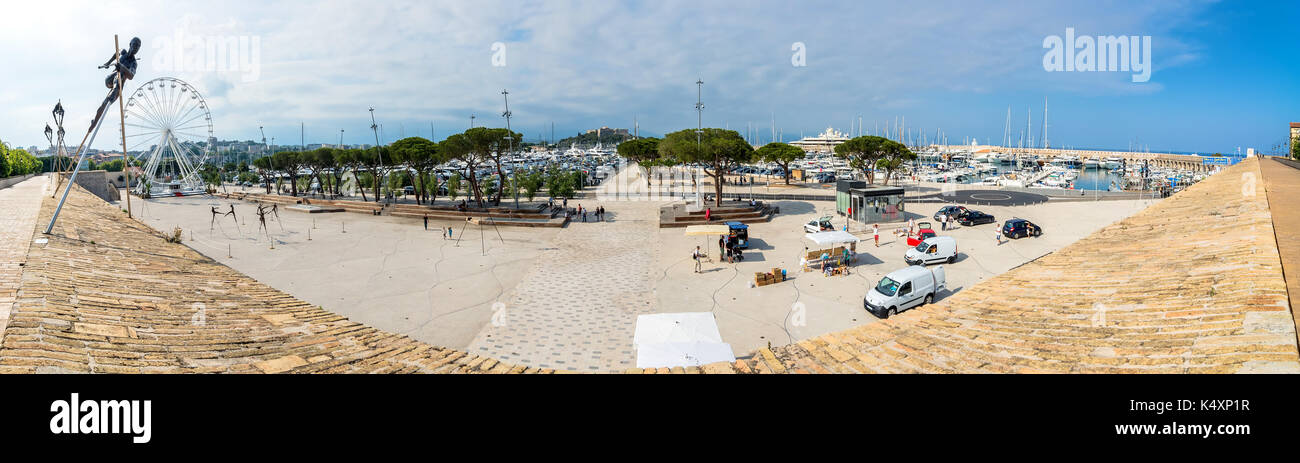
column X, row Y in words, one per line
column 1091, row 163
column 1114, row 162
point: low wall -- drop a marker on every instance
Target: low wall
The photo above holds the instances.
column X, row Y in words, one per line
column 99, row 183
column 11, row 181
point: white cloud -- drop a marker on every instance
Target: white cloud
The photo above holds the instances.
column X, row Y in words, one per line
column 578, row 64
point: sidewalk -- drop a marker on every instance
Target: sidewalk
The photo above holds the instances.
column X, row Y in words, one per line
column 1282, row 182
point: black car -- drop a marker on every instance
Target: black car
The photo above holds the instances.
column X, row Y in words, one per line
column 975, row 218
column 955, row 211
column 1020, row 228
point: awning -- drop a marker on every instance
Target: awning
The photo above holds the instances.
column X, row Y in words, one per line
column 707, row 230
column 832, row 237
column 669, row 340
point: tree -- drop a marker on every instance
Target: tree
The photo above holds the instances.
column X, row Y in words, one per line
column 378, row 161
column 490, row 145
column 4, row 161
column 718, row 150
column 453, row 186
column 422, row 156
column 644, row 152
column 317, row 161
column 289, row 163
column 895, row 156
column 782, row 154
column 1295, row 149
column 350, row 160
column 531, row 182
column 266, row 169
column 473, row 151
column 863, row 153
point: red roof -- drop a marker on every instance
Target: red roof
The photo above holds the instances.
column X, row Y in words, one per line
column 1295, row 125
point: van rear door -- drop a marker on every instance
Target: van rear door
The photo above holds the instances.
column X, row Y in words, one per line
column 940, row 279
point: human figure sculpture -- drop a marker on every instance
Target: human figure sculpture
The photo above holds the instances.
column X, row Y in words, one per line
column 261, row 219
column 123, row 64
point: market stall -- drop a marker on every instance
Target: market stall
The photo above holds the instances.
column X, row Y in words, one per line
column 832, row 251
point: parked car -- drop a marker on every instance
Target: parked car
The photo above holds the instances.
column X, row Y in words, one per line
column 975, row 218
column 923, row 232
column 955, row 211
column 1020, row 228
column 932, row 251
column 903, row 289
column 819, row 225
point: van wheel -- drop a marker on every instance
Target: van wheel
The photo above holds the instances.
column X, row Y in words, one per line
column 952, row 259
column 890, row 311
column 928, row 299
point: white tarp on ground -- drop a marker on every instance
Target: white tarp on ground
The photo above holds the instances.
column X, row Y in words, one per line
column 679, row 340
column 832, row 237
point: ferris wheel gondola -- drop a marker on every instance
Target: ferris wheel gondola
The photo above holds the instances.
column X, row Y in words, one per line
column 169, row 120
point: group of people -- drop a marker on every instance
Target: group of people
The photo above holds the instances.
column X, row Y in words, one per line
column 727, row 246
column 599, row 213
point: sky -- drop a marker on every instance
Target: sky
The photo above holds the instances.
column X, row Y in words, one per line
column 1224, row 75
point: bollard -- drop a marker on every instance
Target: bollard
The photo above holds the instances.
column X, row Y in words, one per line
column 228, row 251
column 308, row 234
column 345, row 226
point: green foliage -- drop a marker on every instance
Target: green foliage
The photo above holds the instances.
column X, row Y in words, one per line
column 17, row 162
column 718, row 150
column 643, row 151
column 531, row 182
column 782, row 154
column 865, row 153
column 1295, row 149
column 606, row 138
column 453, row 186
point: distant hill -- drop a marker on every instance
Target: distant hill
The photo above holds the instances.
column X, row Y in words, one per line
column 609, row 139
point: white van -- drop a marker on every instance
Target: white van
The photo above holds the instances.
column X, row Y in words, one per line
column 933, row 250
column 903, row 289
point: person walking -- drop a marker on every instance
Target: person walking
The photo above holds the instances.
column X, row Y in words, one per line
column 448, row 232
column 911, row 226
column 697, row 255
column 875, row 233
column 426, row 223
column 722, row 245
column 708, row 213
column 997, row 236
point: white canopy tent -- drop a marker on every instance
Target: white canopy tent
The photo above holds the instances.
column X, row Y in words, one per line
column 828, row 238
column 707, row 230
column 679, row 340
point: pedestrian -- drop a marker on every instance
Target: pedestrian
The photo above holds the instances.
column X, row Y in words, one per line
column 697, row 255
column 426, row 223
column 911, row 226
column 943, row 221
column 997, row 236
column 448, row 232
column 722, row 244
column 875, row 233
column 584, row 214
column 565, row 204
column 708, row 212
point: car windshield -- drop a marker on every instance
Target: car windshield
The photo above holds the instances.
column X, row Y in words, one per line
column 887, row 286
column 922, row 247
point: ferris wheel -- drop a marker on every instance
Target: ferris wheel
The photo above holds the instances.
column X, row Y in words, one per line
column 169, row 120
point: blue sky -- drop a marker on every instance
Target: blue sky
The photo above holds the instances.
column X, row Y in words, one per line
column 1224, row 75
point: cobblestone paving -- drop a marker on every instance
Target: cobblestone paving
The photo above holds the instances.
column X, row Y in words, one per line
column 18, row 207
column 577, row 307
